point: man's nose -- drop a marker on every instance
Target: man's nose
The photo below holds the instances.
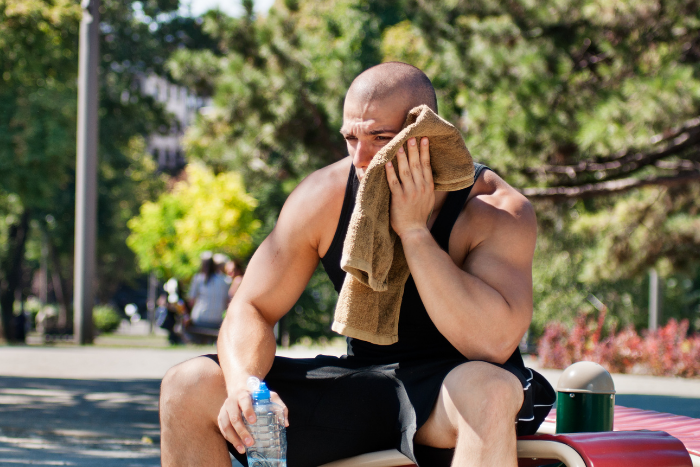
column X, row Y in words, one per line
column 363, row 155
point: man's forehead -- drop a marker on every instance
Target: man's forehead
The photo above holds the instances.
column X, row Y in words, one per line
column 357, row 126
column 372, row 116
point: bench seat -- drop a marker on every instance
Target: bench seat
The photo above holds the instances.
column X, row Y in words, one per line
column 675, row 442
column 686, row 429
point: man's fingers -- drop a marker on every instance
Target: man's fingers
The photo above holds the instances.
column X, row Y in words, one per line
column 246, row 406
column 394, row 183
column 404, row 170
column 276, row 399
column 425, row 161
column 228, row 431
column 236, row 421
column 414, row 161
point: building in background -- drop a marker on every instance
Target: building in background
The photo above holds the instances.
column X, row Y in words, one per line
column 179, row 101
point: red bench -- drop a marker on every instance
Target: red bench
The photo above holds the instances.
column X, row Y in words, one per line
column 686, row 429
column 674, row 442
column 604, row 449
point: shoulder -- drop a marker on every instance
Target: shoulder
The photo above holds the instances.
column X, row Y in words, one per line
column 496, row 214
column 495, row 200
column 315, row 204
column 322, row 186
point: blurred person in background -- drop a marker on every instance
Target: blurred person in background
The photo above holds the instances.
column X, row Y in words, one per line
column 166, row 318
column 178, row 309
column 208, row 295
column 221, row 260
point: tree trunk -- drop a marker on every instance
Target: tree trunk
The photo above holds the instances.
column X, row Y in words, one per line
column 12, row 274
column 59, row 286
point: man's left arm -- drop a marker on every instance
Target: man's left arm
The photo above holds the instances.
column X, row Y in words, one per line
column 483, row 306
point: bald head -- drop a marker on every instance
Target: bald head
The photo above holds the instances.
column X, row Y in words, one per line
column 404, row 84
column 376, row 107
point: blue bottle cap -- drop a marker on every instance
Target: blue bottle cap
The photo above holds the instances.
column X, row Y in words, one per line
column 261, row 393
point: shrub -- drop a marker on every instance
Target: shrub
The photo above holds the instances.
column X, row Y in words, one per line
column 32, row 306
column 106, row 318
column 669, row 351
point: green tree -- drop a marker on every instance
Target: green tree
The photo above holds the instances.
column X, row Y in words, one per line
column 590, row 108
column 202, row 212
column 36, row 109
column 38, row 96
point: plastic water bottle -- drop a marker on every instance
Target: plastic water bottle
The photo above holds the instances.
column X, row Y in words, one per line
column 269, row 436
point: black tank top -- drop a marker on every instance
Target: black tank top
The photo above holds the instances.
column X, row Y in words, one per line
column 418, row 336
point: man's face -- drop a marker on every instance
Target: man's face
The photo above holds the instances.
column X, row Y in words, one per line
column 368, row 125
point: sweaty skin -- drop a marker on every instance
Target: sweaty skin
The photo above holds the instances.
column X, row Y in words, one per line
column 479, row 295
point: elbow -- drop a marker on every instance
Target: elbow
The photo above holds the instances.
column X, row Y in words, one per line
column 490, row 352
column 508, row 343
column 244, row 313
column 494, row 349
column 494, row 354
column 502, row 353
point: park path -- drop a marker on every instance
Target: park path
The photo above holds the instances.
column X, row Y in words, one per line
column 97, row 406
column 88, row 406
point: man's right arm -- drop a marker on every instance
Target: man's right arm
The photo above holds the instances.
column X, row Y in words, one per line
column 275, row 278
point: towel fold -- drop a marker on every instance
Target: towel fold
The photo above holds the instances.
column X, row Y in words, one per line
column 370, row 300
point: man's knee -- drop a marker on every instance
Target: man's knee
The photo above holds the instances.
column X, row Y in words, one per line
column 191, row 385
column 481, row 391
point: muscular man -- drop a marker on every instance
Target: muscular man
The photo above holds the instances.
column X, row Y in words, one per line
column 454, row 380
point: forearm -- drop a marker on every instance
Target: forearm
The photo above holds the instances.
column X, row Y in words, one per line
column 246, row 345
column 472, row 315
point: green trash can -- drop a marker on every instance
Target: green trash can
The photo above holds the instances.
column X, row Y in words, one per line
column 585, row 399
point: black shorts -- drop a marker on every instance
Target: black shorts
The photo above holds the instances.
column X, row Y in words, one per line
column 340, row 407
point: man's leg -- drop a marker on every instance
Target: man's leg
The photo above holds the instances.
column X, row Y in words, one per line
column 191, row 396
column 475, row 414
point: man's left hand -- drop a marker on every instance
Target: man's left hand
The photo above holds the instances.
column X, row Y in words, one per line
column 412, row 198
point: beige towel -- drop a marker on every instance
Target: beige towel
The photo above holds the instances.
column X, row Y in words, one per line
column 370, row 300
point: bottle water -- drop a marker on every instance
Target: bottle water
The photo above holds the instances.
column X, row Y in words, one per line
column 269, row 436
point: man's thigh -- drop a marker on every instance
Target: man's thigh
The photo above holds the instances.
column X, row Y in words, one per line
column 472, row 393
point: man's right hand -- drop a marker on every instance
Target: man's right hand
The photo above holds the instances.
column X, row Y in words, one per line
column 239, row 404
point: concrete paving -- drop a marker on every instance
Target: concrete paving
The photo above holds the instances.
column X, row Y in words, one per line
column 89, row 406
column 98, row 406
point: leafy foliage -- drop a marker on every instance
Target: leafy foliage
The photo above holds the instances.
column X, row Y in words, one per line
column 670, row 351
column 38, row 97
column 106, row 318
column 202, row 212
column 579, row 105
column 591, row 109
